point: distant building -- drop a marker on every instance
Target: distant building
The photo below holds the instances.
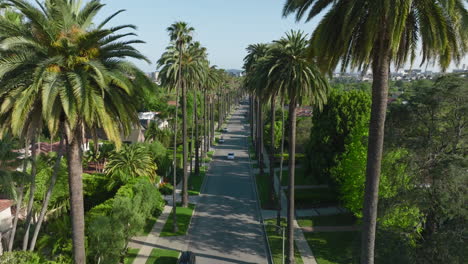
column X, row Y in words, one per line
column 154, row 76
column 148, row 117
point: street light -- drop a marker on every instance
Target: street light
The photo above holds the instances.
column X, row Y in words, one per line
column 282, row 231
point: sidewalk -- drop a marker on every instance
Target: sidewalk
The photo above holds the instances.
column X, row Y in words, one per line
column 147, row 245
column 299, row 238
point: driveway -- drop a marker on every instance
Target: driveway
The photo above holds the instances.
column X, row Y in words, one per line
column 226, row 228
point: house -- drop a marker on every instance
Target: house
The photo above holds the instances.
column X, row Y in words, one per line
column 149, row 117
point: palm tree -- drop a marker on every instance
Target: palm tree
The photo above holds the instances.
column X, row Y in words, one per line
column 369, row 33
column 254, row 83
column 74, row 72
column 181, row 34
column 292, row 75
column 130, row 162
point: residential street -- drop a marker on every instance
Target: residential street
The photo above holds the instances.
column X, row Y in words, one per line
column 226, row 228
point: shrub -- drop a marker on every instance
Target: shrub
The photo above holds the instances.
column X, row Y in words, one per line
column 166, row 189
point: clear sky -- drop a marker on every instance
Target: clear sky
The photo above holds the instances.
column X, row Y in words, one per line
column 224, row 27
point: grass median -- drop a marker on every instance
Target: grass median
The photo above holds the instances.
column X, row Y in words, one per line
column 184, row 215
column 334, row 247
column 328, row 220
column 163, row 256
column 131, row 255
column 196, row 181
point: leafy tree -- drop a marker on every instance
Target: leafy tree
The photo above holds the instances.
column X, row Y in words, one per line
column 374, row 34
column 344, row 112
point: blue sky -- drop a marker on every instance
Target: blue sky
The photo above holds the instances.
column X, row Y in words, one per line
column 224, row 27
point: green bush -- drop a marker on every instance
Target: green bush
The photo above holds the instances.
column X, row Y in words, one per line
column 166, row 189
column 26, row 257
column 126, row 213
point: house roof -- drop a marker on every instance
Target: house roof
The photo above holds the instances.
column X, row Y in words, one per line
column 173, row 103
column 5, row 204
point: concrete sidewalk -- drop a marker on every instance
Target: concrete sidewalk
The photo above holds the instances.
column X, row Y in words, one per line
column 299, row 238
column 147, row 245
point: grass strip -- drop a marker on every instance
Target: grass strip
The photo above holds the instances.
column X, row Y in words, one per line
column 184, row 215
column 163, row 256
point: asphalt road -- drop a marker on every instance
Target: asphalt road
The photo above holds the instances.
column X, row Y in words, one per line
column 226, row 228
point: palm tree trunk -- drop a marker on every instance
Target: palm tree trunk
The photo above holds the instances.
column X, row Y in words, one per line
column 20, row 198
column 219, row 112
column 212, row 121
column 260, row 138
column 32, row 190
column 272, row 152
column 278, row 215
column 193, row 124
column 197, row 157
column 184, row 143
column 174, row 168
column 381, row 69
column 75, row 171
column 205, row 124
column 292, row 156
column 45, row 203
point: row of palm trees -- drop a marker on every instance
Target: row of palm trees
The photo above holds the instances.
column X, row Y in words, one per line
column 184, row 67
column 282, row 70
column 359, row 34
column 61, row 69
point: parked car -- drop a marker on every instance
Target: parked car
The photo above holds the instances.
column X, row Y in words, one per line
column 225, row 130
column 230, row 156
column 187, row 257
column 221, row 140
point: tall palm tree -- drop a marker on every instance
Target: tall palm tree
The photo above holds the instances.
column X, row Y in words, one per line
column 254, row 82
column 74, row 71
column 181, row 34
column 295, row 77
column 370, row 33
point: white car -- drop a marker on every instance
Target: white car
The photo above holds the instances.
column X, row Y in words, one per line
column 230, row 156
column 221, row 140
column 225, row 130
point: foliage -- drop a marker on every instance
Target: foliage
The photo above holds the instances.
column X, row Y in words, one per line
column 126, row 214
column 304, row 126
column 26, row 257
column 160, row 156
column 59, row 200
column 166, row 189
column 131, row 161
column 56, row 237
column 267, row 136
column 344, row 112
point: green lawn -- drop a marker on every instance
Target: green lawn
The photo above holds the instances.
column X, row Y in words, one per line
column 196, row 181
column 183, row 220
column 328, row 220
column 334, row 247
column 163, row 256
column 131, row 255
column 210, row 153
column 262, row 188
column 309, row 198
column 300, row 178
column 276, row 243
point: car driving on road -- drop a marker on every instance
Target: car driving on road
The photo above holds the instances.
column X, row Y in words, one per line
column 221, row 140
column 230, row 156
